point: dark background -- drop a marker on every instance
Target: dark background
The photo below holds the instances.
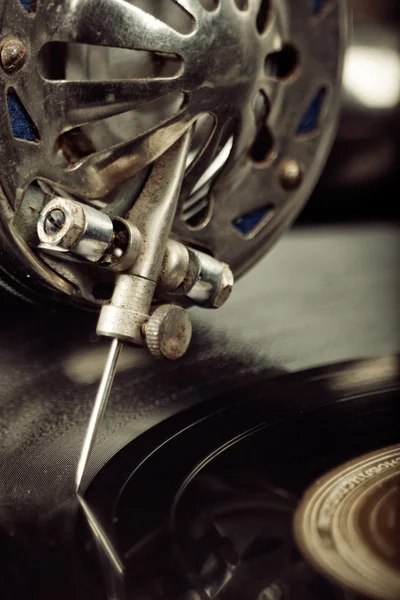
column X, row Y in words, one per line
column 362, row 179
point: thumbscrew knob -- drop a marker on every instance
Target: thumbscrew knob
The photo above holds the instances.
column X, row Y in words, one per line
column 168, row 332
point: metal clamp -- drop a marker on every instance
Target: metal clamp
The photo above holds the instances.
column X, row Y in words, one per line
column 147, row 261
column 153, row 214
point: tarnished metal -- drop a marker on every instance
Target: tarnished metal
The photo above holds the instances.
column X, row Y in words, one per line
column 224, row 288
column 12, row 55
column 153, row 215
column 126, row 247
column 168, row 332
column 174, row 267
column 70, row 228
column 199, row 277
column 129, row 309
column 254, row 71
column 291, row 174
column 68, row 225
column 213, row 283
column 54, row 222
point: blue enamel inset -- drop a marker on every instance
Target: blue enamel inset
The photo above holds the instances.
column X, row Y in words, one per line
column 318, row 5
column 28, row 5
column 22, row 125
column 247, row 223
column 310, row 120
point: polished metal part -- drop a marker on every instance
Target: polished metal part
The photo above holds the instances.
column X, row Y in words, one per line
column 72, row 226
column 85, row 232
column 99, row 407
column 88, row 233
column 168, row 332
column 97, row 236
column 214, row 282
column 98, row 124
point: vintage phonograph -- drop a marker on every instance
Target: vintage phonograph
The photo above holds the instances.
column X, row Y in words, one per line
column 152, row 152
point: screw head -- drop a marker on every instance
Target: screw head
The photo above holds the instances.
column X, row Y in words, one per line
column 61, row 223
column 291, row 174
column 12, row 55
column 54, row 221
column 168, row 332
column 225, row 287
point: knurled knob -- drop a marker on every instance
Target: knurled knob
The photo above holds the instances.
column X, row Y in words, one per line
column 168, row 332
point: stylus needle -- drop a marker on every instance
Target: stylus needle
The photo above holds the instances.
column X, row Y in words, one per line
column 103, row 394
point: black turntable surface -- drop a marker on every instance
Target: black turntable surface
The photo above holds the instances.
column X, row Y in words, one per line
column 201, row 502
column 203, row 505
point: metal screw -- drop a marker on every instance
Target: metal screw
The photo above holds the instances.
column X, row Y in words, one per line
column 54, row 221
column 225, row 287
column 168, row 332
column 61, row 223
column 290, row 174
column 12, row 55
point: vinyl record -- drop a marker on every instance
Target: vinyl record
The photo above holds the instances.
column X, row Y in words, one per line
column 203, row 505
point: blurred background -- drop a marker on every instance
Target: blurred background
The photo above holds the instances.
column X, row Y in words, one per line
column 362, row 179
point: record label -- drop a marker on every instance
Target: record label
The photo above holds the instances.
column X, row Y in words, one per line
column 348, row 524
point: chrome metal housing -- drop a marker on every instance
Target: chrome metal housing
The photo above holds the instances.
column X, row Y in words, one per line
column 103, row 88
